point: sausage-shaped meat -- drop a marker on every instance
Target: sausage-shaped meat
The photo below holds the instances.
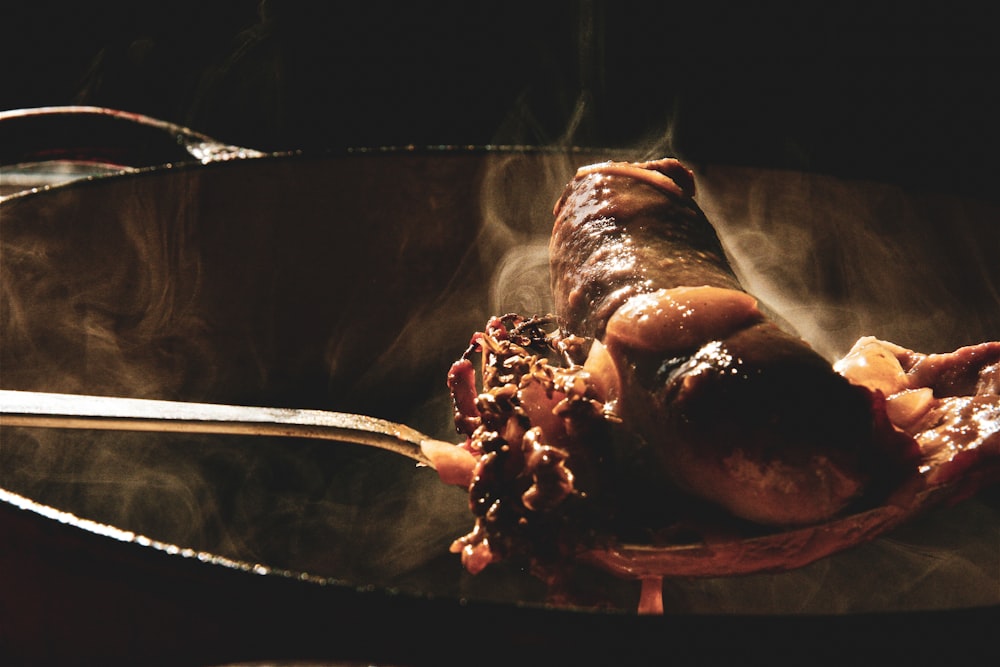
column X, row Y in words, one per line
column 736, row 411
column 625, row 229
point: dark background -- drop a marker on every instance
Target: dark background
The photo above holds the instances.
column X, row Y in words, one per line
column 898, row 92
column 905, row 92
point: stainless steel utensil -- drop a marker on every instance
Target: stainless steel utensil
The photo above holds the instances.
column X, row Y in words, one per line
column 78, row 411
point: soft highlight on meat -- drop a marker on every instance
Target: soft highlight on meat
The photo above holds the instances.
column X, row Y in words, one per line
column 736, row 411
column 660, row 412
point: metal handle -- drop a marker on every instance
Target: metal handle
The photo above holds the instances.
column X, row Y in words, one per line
column 104, row 136
column 78, row 411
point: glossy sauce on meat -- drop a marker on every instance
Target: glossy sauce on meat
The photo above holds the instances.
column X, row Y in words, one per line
column 660, row 399
column 736, row 411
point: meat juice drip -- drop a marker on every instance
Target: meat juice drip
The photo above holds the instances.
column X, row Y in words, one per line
column 839, row 260
column 852, row 315
column 950, row 570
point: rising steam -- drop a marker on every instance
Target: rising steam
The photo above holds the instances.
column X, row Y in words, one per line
column 202, row 292
column 836, row 260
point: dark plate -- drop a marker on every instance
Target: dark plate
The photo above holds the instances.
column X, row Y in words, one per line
column 349, row 282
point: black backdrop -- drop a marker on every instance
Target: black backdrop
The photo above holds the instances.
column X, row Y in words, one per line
column 897, row 92
column 902, row 94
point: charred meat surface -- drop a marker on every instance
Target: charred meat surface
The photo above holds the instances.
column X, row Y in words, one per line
column 628, row 229
column 535, row 451
column 736, row 411
column 660, row 397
